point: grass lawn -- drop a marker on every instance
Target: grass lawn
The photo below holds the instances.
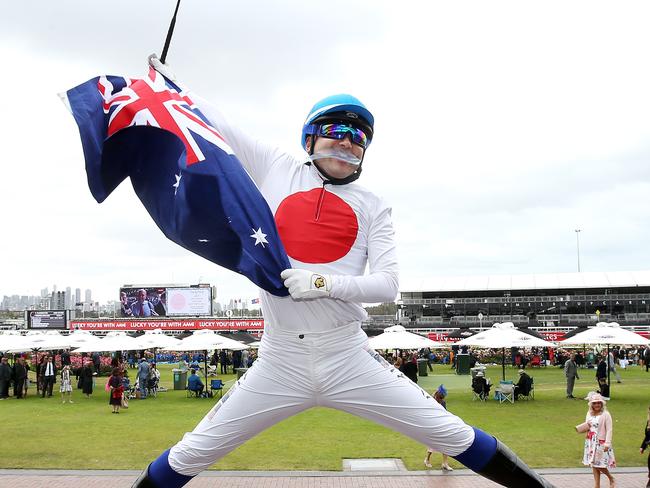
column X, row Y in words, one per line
column 43, row 433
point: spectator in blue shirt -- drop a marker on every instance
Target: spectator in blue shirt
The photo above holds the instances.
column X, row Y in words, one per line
column 194, row 383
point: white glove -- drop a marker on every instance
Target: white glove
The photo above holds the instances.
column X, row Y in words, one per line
column 163, row 69
column 303, row 283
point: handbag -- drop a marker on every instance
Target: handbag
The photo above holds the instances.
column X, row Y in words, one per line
column 582, row 428
column 125, row 402
column 108, row 384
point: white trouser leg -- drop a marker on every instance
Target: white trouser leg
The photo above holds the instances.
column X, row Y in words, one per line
column 264, row 396
column 332, row 369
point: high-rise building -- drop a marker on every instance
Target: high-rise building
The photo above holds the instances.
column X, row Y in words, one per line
column 44, row 292
column 57, row 301
column 77, row 295
column 89, row 297
column 68, row 298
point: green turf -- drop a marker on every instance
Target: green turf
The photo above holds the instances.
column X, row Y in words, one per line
column 43, row 433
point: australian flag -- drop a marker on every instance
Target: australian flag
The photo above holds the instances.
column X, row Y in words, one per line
column 182, row 170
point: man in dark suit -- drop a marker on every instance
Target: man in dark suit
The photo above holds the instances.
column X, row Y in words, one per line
column 48, row 373
column 20, row 376
column 223, row 359
column 601, row 377
column 5, row 378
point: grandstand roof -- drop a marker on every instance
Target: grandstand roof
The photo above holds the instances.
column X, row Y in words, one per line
column 616, row 279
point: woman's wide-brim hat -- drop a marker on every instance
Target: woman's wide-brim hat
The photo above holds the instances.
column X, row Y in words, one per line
column 596, row 398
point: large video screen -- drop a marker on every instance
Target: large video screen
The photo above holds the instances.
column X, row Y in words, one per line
column 165, row 302
column 143, row 302
column 46, row 319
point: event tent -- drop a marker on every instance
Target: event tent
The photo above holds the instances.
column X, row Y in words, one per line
column 397, row 337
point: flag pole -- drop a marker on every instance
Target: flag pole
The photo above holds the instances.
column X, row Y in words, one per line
column 170, row 32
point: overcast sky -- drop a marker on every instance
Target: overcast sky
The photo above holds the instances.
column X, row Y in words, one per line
column 501, row 127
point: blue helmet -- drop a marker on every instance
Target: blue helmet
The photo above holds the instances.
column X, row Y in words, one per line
column 339, row 107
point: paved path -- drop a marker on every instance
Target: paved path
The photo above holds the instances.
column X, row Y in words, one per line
column 561, row 478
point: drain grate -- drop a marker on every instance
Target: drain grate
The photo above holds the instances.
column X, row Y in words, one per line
column 389, row 464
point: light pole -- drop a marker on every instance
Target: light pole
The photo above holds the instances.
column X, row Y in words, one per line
column 578, row 247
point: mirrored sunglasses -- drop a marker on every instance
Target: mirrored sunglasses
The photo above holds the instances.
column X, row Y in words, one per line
column 340, row 131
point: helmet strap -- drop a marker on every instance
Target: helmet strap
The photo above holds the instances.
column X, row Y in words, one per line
column 330, row 179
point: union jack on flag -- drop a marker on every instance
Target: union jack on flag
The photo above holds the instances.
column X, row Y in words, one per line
column 181, row 168
column 160, row 103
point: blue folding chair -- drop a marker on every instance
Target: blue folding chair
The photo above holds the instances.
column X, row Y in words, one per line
column 216, row 385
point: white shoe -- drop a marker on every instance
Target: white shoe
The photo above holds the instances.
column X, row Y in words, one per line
column 428, row 464
column 446, row 467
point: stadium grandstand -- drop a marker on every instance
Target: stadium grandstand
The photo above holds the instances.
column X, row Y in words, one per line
column 558, row 301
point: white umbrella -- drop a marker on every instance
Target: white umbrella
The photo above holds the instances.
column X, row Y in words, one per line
column 397, row 337
column 255, row 344
column 203, row 340
column 157, row 339
column 80, row 338
column 42, row 341
column 607, row 333
column 114, row 341
column 502, row 336
column 11, row 340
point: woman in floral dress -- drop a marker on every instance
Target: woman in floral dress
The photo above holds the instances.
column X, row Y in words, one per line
column 598, row 452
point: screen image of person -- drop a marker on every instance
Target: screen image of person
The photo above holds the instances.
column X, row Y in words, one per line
column 142, row 307
column 125, row 307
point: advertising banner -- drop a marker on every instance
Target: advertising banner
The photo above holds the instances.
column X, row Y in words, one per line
column 169, row 324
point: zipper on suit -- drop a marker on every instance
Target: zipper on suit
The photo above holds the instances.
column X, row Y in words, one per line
column 319, row 205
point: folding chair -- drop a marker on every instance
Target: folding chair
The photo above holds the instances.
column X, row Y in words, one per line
column 216, row 385
column 129, row 391
column 506, row 392
column 192, row 393
column 478, row 396
column 152, row 387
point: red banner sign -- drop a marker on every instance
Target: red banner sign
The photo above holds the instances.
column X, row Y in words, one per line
column 191, row 324
column 553, row 336
column 440, row 337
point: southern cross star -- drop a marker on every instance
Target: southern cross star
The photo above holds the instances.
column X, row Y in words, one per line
column 177, row 184
column 259, row 236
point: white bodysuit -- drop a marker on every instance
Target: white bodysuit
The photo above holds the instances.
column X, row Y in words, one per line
column 314, row 352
